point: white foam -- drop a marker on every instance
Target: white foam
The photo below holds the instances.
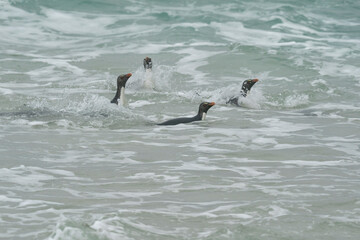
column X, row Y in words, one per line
column 4, row 198
column 281, row 193
column 293, row 28
column 36, row 123
column 155, row 177
column 196, row 25
column 194, row 59
column 277, row 211
column 149, row 48
column 339, row 70
column 318, row 82
column 277, row 127
column 197, row 166
column 240, row 215
column 332, row 21
column 235, row 31
column 290, row 146
column 58, row 63
column 251, row 101
column 24, row 176
column 67, row 232
column 162, row 76
column 6, row 91
column 148, row 80
column 335, row 106
column 264, row 141
column 110, row 228
column 61, row 172
column 147, row 228
column 317, row 163
column 296, row 100
column 76, row 23
column 20, row 121
column 352, row 219
column 64, row 123
column 249, row 172
column 209, row 149
column 140, row 103
column 36, row 203
column 348, row 148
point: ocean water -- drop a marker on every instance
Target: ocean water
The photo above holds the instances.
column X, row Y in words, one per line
column 286, row 165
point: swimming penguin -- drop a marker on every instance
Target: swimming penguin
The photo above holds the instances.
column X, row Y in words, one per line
column 147, row 63
column 120, row 91
column 148, row 82
column 246, row 86
column 203, row 108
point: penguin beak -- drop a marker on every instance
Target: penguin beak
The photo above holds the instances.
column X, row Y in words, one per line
column 212, row 104
column 255, row 80
column 128, row 75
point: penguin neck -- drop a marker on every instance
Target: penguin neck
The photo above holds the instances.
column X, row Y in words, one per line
column 122, row 96
column 200, row 116
column 203, row 116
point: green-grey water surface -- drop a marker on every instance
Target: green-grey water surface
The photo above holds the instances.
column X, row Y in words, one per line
column 283, row 166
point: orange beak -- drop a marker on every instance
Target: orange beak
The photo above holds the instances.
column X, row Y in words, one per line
column 212, row 104
column 129, row 75
column 255, row 80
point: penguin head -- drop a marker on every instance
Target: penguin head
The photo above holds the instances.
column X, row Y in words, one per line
column 147, row 63
column 205, row 106
column 122, row 79
column 247, row 84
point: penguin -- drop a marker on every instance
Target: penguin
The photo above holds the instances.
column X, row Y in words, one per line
column 120, row 91
column 147, row 63
column 245, row 89
column 203, row 108
column 148, row 82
